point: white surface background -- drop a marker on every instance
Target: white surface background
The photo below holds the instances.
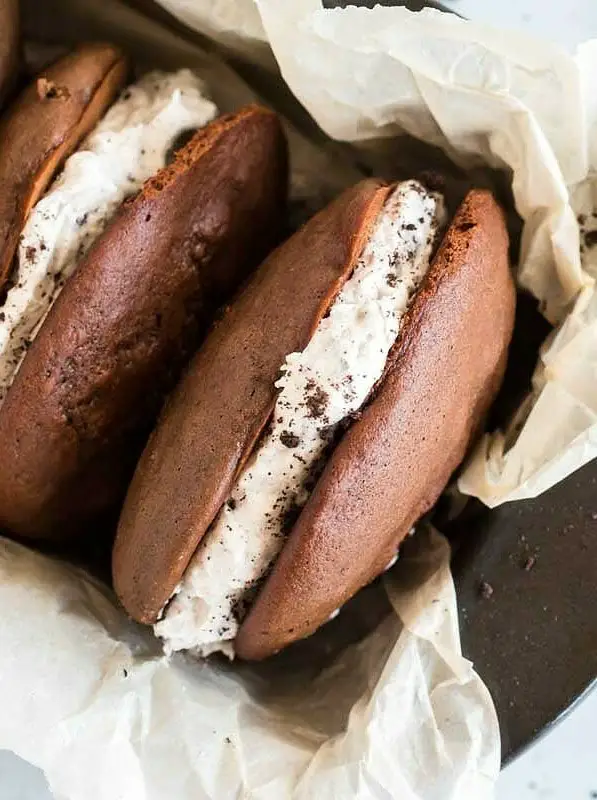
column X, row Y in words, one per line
column 563, row 765
column 566, row 21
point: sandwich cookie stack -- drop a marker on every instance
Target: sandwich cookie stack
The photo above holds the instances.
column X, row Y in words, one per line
column 113, row 262
column 322, row 417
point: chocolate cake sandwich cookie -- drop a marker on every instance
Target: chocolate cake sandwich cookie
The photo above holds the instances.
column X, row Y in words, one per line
column 322, row 417
column 113, row 272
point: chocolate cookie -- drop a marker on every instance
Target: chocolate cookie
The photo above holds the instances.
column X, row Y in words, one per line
column 323, row 416
column 215, row 416
column 139, row 303
column 393, row 463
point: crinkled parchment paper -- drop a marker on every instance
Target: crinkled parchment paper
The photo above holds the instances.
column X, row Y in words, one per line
column 380, row 703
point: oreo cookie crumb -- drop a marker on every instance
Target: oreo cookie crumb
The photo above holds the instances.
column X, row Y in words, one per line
column 327, row 434
column 240, row 606
column 591, row 238
column 316, row 400
column 30, row 253
column 231, row 503
column 289, row 439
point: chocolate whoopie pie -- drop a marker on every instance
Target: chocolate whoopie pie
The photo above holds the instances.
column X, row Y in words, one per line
column 114, row 275
column 9, row 44
column 322, row 417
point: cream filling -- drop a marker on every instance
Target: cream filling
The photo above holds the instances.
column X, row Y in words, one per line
column 330, row 379
column 126, row 148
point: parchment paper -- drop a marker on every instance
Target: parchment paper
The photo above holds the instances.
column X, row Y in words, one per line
column 380, row 703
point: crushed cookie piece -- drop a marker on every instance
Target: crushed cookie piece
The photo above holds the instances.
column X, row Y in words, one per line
column 316, row 400
column 289, row 439
column 327, row 434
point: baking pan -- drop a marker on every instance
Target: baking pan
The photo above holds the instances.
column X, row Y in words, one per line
column 525, row 576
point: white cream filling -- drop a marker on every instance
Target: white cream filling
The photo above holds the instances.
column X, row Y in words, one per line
column 330, row 379
column 126, row 148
